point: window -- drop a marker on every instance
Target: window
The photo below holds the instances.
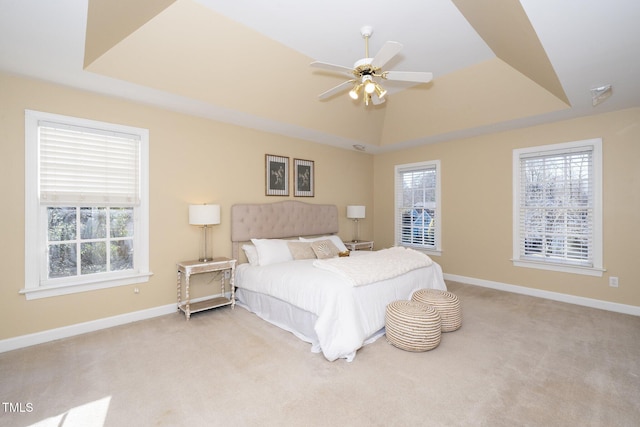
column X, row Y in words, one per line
column 417, row 206
column 557, row 207
column 86, row 205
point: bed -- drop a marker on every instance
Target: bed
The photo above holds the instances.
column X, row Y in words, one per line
column 337, row 304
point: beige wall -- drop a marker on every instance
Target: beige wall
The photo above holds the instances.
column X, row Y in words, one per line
column 477, row 204
column 192, row 160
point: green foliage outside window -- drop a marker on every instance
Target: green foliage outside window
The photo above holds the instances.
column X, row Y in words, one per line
column 78, row 238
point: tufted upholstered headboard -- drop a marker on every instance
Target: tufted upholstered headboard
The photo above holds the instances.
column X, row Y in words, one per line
column 279, row 220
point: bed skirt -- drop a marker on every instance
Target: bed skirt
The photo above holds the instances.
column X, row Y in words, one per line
column 288, row 317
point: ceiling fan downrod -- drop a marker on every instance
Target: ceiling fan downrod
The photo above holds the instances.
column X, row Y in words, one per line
column 366, row 32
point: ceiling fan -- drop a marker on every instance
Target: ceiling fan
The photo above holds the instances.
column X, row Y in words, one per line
column 368, row 71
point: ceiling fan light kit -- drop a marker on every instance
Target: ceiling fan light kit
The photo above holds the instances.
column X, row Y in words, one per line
column 369, row 85
column 367, row 70
column 354, row 93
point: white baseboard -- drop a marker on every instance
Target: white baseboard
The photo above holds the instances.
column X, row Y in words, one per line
column 556, row 296
column 82, row 328
column 95, row 325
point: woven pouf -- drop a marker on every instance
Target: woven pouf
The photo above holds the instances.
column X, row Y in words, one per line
column 446, row 303
column 412, row 326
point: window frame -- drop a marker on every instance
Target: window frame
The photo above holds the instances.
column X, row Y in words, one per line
column 36, row 225
column 596, row 269
column 398, row 196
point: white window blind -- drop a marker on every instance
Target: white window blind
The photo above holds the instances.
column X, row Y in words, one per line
column 87, row 166
column 417, row 190
column 556, row 206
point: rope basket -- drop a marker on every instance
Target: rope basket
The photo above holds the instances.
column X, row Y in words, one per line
column 445, row 303
column 412, row 326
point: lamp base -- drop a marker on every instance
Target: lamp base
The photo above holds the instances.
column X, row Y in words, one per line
column 356, row 230
column 205, row 254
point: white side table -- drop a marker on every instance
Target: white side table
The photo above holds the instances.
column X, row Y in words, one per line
column 187, row 268
column 360, row 245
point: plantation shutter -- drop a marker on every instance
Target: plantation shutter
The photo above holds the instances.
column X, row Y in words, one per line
column 87, row 166
column 557, row 206
column 415, row 193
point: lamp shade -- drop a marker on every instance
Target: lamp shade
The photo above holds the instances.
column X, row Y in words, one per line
column 355, row 212
column 204, row 214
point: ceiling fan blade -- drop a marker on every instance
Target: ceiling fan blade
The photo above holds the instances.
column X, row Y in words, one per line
column 388, row 51
column 334, row 90
column 408, row 76
column 332, row 67
column 377, row 100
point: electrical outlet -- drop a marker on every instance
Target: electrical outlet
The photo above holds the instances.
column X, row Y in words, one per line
column 613, row 282
column 227, row 274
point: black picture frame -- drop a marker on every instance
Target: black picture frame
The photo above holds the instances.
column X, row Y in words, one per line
column 303, row 178
column 277, row 175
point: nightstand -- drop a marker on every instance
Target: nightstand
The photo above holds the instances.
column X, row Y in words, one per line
column 226, row 268
column 360, row 245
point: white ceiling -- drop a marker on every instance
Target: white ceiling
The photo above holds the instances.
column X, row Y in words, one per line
column 589, row 43
column 434, row 34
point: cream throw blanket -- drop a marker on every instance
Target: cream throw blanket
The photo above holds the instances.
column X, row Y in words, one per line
column 377, row 266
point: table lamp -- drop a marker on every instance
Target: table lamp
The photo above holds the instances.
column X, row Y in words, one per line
column 204, row 215
column 355, row 213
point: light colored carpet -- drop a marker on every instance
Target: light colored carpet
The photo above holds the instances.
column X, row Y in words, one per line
column 516, row 361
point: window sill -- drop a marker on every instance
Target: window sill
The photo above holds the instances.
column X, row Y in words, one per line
column 430, row 252
column 574, row 269
column 66, row 289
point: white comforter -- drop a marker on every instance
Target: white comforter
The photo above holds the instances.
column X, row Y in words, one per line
column 380, row 265
column 346, row 315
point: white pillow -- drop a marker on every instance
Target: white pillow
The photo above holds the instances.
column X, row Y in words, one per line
column 251, row 253
column 271, row 251
column 335, row 239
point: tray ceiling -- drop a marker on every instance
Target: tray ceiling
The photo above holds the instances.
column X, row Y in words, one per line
column 497, row 64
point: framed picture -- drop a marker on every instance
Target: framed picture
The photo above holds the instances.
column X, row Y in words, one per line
column 303, row 178
column 277, row 175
